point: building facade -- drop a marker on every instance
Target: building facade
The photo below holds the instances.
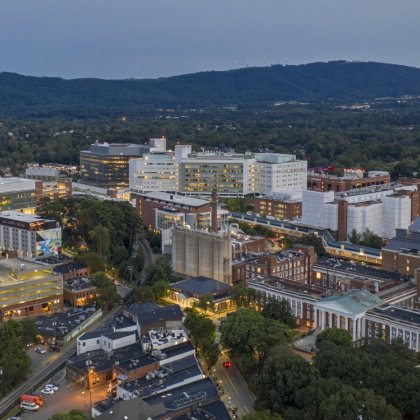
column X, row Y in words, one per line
column 352, row 179
column 19, row 193
column 28, row 288
column 106, row 164
column 278, row 206
column 29, row 236
column 381, row 209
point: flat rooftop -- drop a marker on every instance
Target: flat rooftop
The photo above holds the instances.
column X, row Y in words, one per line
column 355, row 269
column 175, row 198
column 61, row 323
column 22, row 217
column 16, row 184
column 398, row 314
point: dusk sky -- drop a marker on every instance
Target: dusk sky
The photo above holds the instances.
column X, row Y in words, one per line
column 142, row 39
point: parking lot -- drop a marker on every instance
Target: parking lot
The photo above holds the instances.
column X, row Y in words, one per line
column 68, row 397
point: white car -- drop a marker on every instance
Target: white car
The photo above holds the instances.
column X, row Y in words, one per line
column 54, row 387
column 47, row 391
column 41, row 350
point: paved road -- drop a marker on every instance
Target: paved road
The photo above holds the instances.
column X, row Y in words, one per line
column 149, row 257
column 66, row 353
column 235, row 387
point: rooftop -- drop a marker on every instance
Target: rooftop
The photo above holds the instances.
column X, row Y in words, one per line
column 69, row 267
column 200, row 286
column 22, row 217
column 16, row 184
column 215, row 410
column 351, row 268
column 175, row 199
column 398, row 314
column 149, row 312
column 61, row 323
column 77, row 284
column 187, row 395
column 166, row 377
column 353, row 303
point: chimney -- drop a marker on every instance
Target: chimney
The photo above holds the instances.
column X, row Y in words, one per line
column 213, row 205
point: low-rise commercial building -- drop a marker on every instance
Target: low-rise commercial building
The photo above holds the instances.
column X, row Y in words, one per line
column 279, row 206
column 79, row 292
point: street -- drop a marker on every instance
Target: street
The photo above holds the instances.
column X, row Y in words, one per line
column 235, row 387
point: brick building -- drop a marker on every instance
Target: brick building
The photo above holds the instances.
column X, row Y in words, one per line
column 279, row 206
column 402, row 253
column 351, row 179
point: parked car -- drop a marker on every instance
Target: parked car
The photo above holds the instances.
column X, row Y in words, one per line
column 48, row 391
column 41, row 350
column 14, row 418
column 54, row 387
column 27, row 405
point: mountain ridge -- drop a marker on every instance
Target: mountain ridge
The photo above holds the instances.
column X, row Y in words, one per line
column 336, row 81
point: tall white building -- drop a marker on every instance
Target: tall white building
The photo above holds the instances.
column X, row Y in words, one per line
column 279, row 172
column 381, row 209
column 234, row 174
column 153, row 172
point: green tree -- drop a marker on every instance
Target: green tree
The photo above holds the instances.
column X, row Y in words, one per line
column 205, row 303
column 93, row 261
column 14, row 361
column 159, row 270
column 143, row 294
column 100, row 237
column 371, row 240
column 262, row 415
column 71, row 415
column 108, row 296
column 334, row 335
column 279, row 309
column 244, row 296
column 203, row 333
column 282, row 377
column 355, row 237
column 160, row 289
column 247, row 332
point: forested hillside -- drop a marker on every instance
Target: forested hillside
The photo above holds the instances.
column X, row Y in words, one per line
column 338, row 81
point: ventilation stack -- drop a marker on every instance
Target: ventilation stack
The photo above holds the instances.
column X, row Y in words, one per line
column 213, row 205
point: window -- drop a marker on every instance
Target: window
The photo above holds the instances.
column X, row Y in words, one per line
column 84, row 343
column 97, row 341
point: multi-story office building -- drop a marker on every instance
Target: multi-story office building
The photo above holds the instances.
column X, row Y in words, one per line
column 19, row 193
column 382, row 209
column 232, row 175
column 153, row 172
column 106, row 164
column 156, row 171
column 279, row 172
column 237, row 175
column 29, row 236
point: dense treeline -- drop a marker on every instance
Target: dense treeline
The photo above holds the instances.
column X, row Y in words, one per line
column 339, row 80
column 99, row 233
column 386, row 137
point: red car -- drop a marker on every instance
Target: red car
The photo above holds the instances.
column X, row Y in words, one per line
column 227, row 364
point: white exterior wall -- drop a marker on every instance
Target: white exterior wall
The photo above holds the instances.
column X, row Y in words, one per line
column 366, row 217
column 176, row 357
column 319, row 209
column 153, row 172
column 397, row 215
column 91, row 344
column 280, row 177
column 109, row 345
